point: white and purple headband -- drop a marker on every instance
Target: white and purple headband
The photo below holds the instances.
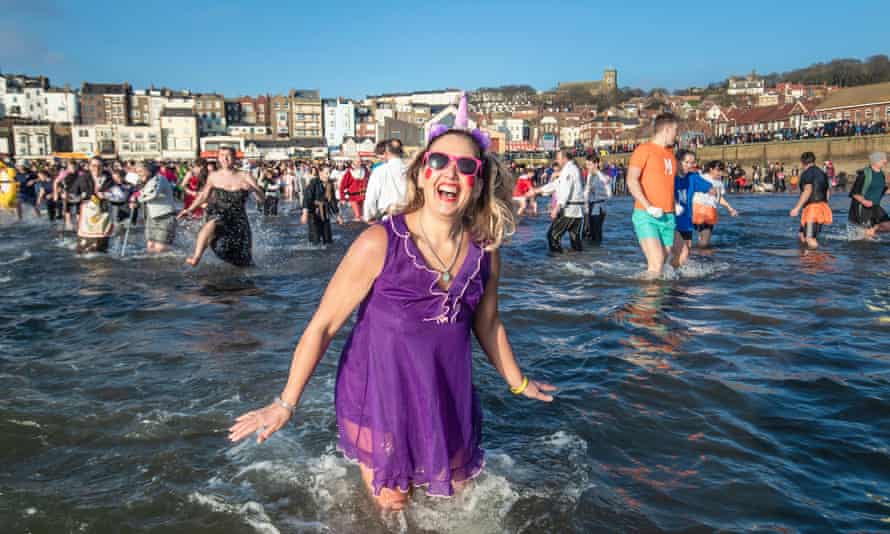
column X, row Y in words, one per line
column 461, row 122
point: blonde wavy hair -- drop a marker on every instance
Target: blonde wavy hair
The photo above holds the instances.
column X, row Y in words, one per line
column 489, row 216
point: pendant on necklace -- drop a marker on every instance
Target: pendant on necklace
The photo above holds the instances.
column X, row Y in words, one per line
column 446, row 277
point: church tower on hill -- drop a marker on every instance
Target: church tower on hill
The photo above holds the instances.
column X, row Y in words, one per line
column 610, row 80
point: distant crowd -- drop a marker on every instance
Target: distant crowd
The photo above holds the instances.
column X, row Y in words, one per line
column 836, row 129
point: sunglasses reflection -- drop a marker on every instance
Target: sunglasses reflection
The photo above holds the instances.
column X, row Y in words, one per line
column 465, row 165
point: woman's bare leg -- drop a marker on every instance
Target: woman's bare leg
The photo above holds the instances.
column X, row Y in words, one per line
column 704, row 238
column 203, row 240
column 388, row 499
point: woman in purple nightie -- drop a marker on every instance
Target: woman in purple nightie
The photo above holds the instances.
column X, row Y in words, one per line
column 422, row 281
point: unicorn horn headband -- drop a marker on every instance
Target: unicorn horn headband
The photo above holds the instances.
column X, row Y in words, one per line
column 461, row 122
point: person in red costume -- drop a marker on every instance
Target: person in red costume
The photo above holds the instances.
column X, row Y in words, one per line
column 352, row 187
column 194, row 182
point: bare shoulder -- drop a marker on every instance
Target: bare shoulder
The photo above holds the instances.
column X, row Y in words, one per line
column 371, row 244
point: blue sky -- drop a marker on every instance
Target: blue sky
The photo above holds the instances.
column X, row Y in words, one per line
column 358, row 48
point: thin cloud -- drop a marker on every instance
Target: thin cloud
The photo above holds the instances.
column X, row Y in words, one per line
column 25, row 50
column 30, row 8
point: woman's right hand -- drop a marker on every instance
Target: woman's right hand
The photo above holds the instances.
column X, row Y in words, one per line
column 182, row 214
column 269, row 420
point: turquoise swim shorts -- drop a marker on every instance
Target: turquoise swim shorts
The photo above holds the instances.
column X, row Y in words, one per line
column 648, row 227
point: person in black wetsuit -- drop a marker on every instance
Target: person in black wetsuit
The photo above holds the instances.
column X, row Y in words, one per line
column 866, row 195
column 814, row 195
column 227, row 229
column 319, row 205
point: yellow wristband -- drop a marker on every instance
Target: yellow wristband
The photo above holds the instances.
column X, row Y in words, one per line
column 519, row 389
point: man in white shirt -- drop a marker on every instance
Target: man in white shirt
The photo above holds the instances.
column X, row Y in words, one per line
column 386, row 186
column 597, row 190
column 568, row 213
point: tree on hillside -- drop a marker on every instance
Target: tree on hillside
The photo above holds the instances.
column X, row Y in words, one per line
column 843, row 72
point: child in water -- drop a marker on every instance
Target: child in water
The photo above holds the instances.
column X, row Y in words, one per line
column 422, row 281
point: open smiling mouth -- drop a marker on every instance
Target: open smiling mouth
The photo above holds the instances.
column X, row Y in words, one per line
column 447, row 192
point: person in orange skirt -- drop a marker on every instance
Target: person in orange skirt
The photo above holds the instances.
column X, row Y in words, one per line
column 704, row 205
column 815, row 191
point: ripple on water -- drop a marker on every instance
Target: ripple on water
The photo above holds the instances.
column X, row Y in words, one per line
column 748, row 391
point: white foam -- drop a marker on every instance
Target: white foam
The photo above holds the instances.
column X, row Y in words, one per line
column 24, row 423
column 694, row 269
column 564, row 441
column 597, row 268
column 850, row 232
column 250, row 512
column 23, row 257
column 480, row 507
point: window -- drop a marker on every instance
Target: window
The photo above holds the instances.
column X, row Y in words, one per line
column 846, row 114
column 888, row 112
column 868, row 113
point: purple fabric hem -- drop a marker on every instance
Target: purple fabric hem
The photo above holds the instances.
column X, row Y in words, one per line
column 405, row 484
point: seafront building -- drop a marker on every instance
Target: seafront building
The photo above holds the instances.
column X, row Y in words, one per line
column 38, row 120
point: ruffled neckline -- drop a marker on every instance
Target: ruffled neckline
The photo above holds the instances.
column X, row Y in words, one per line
column 467, row 272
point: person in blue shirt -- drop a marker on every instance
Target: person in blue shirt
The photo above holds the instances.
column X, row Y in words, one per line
column 686, row 185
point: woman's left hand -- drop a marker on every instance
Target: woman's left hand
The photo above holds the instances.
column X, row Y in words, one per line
column 538, row 390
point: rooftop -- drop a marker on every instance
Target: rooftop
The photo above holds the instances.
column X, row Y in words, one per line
column 857, row 96
column 105, row 88
column 764, row 113
column 433, row 92
column 307, row 94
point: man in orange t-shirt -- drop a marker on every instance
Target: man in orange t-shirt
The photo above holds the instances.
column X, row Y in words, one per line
column 650, row 179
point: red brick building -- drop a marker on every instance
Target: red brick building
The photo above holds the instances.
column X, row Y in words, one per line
column 863, row 104
column 104, row 103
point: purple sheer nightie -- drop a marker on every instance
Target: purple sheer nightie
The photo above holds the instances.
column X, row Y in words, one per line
column 406, row 407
